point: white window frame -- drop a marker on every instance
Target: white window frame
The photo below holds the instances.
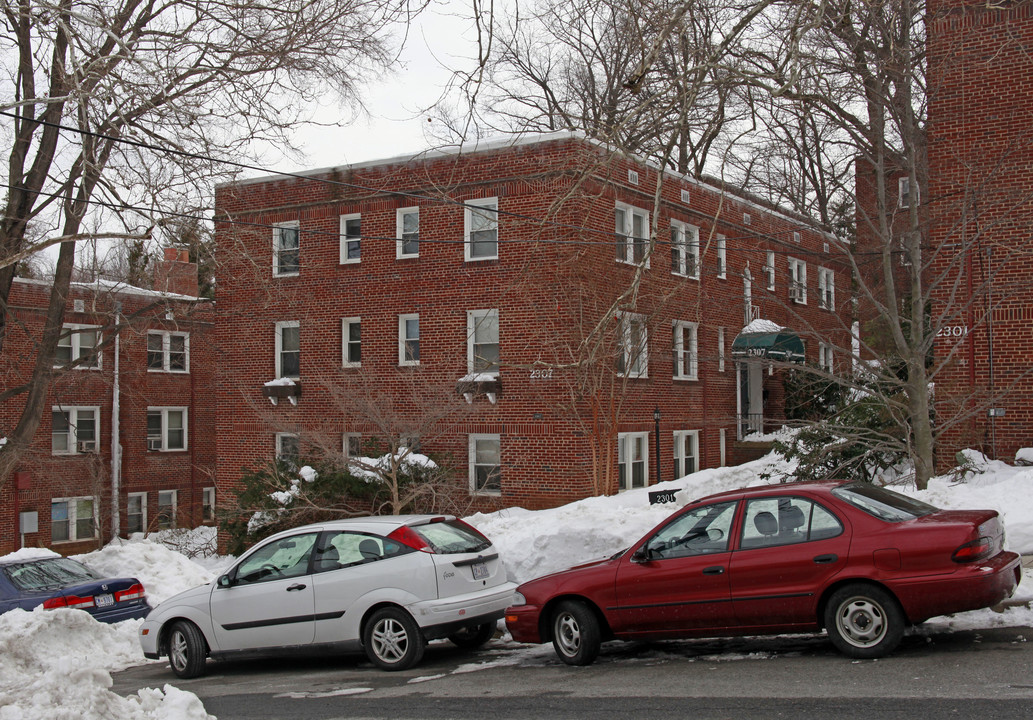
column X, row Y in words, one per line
column 625, row 444
column 208, row 501
column 633, row 362
column 625, row 237
column 280, row 438
column 720, row 349
column 681, row 438
column 142, row 497
column 400, row 215
column 904, row 194
column 797, row 281
column 826, row 288
column 722, row 257
column 347, row 240
column 278, row 249
column 685, row 360
column 490, row 204
column 404, row 339
column 171, row 523
column 73, row 441
column 73, row 518
column 166, row 351
column 474, row 318
column 825, row 361
column 684, row 249
column 347, row 342
column 769, row 269
column 162, row 444
column 72, row 333
column 346, row 445
column 280, row 326
column 473, row 465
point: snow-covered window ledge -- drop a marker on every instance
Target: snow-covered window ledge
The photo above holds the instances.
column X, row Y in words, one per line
column 477, row 384
column 282, row 388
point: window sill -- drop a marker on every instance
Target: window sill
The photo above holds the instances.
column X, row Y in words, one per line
column 686, row 378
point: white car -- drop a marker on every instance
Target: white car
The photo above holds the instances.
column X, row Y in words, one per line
column 388, row 584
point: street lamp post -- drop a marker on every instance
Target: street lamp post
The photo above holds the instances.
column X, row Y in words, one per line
column 656, row 419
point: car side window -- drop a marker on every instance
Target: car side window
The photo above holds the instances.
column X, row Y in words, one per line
column 283, row 558
column 785, row 521
column 700, row 531
column 344, row 549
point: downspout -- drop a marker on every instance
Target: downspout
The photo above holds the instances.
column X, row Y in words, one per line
column 116, row 446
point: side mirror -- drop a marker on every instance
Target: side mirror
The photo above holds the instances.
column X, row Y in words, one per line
column 225, row 581
column 642, row 555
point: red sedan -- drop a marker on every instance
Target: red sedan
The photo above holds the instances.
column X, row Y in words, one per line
column 860, row 561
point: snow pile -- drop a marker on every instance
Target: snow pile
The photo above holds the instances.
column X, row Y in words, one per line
column 376, row 469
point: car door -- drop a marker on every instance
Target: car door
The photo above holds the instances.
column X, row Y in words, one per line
column 790, row 549
column 677, row 580
column 269, row 600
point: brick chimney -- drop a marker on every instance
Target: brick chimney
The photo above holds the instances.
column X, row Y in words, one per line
column 175, row 273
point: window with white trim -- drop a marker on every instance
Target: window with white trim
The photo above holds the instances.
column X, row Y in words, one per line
column 720, row 349
column 208, row 504
column 722, row 257
column 633, row 355
column 481, row 234
column 168, row 351
column 136, row 512
column 288, row 448
column 631, row 227
column 288, row 349
column 286, row 249
column 73, row 519
column 407, row 230
column 685, row 350
column 826, row 289
column 686, row 452
column 351, row 342
column 482, row 341
column 632, row 460
column 351, row 238
column 351, row 445
column 77, row 345
column 409, row 339
column 684, row 249
column 798, row 281
column 166, row 429
column 485, row 464
column 825, row 357
column 904, row 194
column 769, row 269
column 74, row 430
column 168, row 500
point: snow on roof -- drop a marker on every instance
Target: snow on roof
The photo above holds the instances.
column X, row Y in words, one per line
column 759, row 326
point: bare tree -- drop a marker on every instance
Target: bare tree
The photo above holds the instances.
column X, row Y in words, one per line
column 116, row 110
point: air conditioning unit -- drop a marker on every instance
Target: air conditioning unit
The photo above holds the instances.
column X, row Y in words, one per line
column 796, row 293
column 86, row 446
column 154, row 443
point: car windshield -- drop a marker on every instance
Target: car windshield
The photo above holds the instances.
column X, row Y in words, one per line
column 449, row 537
column 882, row 503
column 48, row 574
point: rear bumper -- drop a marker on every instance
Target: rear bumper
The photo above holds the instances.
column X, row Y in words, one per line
column 118, row 613
column 970, row 587
column 440, row 617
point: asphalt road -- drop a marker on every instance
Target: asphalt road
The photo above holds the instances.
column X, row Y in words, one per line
column 935, row 673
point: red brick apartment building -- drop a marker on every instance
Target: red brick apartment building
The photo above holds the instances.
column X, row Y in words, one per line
column 980, row 145
column 144, row 392
column 516, row 282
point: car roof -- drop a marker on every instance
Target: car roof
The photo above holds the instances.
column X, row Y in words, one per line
column 371, row 523
column 822, row 486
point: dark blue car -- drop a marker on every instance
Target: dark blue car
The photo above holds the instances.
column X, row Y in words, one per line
column 55, row 582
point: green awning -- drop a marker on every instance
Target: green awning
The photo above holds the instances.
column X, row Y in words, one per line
column 783, row 346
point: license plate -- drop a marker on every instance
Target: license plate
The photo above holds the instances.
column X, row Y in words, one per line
column 480, row 571
column 104, row 600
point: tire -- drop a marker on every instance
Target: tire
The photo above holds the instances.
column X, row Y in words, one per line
column 864, row 621
column 392, row 639
column 471, row 638
column 576, row 635
column 188, row 651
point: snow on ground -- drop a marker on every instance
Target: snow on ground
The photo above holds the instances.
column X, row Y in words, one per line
column 57, row 664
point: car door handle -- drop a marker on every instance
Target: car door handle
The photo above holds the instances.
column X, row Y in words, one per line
column 296, row 586
column 713, row 570
column 825, row 559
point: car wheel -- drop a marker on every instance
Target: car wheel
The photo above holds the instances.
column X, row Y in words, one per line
column 864, row 621
column 392, row 639
column 471, row 638
column 575, row 633
column 187, row 650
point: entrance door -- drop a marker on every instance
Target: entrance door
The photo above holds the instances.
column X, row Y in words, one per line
column 751, row 397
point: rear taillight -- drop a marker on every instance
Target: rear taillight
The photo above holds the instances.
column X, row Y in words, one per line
column 135, row 592
column 409, row 537
column 69, row 601
column 978, row 549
